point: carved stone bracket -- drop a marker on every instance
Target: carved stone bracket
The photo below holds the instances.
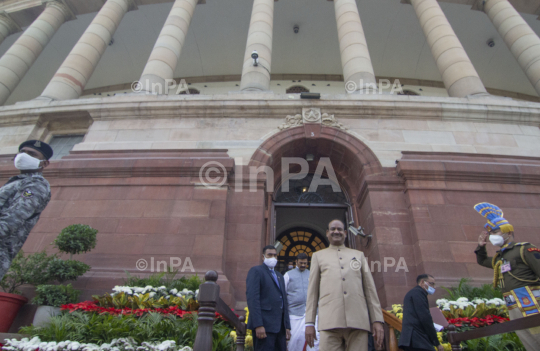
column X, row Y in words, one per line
column 311, row 115
column 12, row 26
column 62, row 6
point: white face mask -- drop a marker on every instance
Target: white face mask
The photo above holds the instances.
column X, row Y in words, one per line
column 291, row 267
column 496, row 240
column 26, row 162
column 270, row 262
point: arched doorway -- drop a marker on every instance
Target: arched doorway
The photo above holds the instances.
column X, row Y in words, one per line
column 301, row 215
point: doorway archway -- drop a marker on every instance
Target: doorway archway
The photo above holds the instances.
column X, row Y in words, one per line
column 351, row 160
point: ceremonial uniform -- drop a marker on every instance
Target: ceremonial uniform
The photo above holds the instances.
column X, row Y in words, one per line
column 22, row 199
column 517, row 272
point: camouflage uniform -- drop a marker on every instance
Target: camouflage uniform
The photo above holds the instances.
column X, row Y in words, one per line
column 524, row 264
column 22, row 199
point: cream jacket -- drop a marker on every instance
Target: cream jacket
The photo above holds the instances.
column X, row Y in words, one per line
column 341, row 286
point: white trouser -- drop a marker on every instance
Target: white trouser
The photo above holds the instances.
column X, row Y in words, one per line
column 298, row 334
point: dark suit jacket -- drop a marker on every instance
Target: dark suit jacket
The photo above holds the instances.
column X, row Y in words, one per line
column 417, row 327
column 267, row 303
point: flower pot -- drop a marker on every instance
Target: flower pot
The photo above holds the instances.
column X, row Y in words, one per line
column 43, row 315
column 9, row 305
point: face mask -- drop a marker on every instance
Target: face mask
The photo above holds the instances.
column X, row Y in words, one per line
column 496, row 240
column 430, row 290
column 26, row 162
column 270, row 262
column 291, row 267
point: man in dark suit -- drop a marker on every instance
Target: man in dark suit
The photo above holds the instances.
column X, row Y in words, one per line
column 268, row 306
column 418, row 332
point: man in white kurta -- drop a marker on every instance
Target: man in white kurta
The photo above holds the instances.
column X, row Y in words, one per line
column 341, row 285
column 296, row 285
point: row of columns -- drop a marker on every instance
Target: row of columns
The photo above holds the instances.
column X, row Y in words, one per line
column 458, row 74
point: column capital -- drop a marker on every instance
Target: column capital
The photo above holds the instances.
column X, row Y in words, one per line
column 9, row 23
column 62, row 6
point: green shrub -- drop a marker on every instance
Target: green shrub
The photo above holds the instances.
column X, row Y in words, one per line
column 55, row 295
column 67, row 270
column 32, row 269
column 167, row 279
column 99, row 329
column 464, row 289
column 501, row 342
column 76, row 238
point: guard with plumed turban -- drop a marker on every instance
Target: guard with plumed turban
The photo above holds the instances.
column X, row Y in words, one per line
column 516, row 270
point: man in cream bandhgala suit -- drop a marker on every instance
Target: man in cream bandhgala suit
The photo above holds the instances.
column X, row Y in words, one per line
column 341, row 286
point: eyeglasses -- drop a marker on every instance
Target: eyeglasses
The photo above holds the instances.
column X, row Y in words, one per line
column 432, row 284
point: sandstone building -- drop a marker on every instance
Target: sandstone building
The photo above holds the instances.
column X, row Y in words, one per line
column 454, row 121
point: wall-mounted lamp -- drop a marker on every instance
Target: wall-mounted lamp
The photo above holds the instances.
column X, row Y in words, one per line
column 255, row 57
column 358, row 231
column 310, row 96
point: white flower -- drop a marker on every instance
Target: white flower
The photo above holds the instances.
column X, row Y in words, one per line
column 441, row 301
column 462, row 299
column 152, row 294
column 174, row 291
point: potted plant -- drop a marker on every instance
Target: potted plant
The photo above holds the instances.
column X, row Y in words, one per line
column 50, row 298
column 73, row 240
column 32, row 269
column 76, row 239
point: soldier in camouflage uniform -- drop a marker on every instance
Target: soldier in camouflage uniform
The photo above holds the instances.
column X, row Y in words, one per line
column 516, row 270
column 22, row 199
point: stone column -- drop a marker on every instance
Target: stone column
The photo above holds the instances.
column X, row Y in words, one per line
column 166, row 52
column 7, row 26
column 458, row 73
column 72, row 76
column 355, row 59
column 518, row 36
column 257, row 78
column 25, row 51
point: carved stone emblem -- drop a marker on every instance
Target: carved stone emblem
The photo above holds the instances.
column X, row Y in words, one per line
column 331, row 121
column 291, row 121
column 311, row 115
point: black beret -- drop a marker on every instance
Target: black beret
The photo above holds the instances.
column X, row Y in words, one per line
column 40, row 146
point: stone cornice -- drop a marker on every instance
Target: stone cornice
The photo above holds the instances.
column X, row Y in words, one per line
column 22, row 5
column 471, row 168
column 172, row 164
column 267, row 105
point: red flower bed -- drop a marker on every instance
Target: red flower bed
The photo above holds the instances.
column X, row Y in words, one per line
column 90, row 306
column 477, row 322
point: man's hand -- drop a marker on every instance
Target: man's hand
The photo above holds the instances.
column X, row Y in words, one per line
column 378, row 334
column 482, row 239
column 440, row 348
column 260, row 332
column 288, row 334
column 310, row 335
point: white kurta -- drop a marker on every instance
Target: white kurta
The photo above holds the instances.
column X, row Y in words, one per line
column 298, row 330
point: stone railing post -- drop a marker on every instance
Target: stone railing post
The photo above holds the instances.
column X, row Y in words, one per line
column 208, row 297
